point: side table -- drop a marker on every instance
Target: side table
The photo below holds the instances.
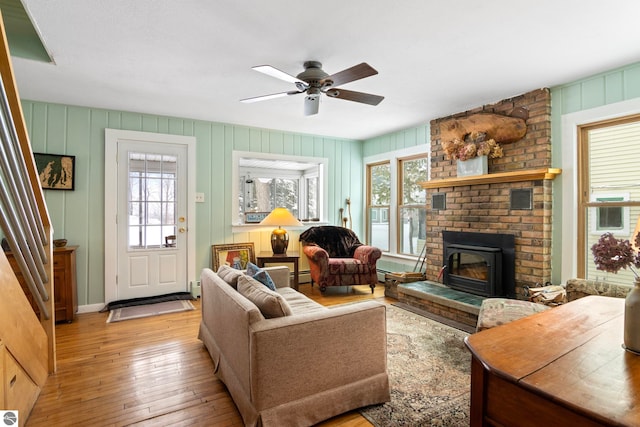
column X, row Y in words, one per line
column 64, row 283
column 290, row 257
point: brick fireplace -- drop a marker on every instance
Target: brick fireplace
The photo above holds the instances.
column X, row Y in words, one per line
column 486, row 204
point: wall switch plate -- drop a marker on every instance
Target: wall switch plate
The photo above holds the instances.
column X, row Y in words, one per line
column 199, row 197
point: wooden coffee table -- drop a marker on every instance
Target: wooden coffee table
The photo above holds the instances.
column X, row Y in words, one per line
column 564, row 366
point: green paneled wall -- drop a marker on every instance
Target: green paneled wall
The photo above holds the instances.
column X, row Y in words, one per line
column 397, row 140
column 79, row 215
column 79, row 131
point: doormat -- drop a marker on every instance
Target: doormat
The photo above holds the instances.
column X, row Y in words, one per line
column 148, row 310
column 147, row 300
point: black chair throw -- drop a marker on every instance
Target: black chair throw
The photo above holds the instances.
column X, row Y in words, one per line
column 339, row 242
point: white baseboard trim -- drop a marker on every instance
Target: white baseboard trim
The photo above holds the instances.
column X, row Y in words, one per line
column 90, row 308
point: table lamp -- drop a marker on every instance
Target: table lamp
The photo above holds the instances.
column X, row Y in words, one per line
column 279, row 238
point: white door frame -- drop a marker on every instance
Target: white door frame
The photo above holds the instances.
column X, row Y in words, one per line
column 111, row 193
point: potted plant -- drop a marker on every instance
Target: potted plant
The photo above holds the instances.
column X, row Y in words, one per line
column 611, row 254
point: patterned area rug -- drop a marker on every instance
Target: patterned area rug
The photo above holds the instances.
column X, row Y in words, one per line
column 429, row 373
column 147, row 310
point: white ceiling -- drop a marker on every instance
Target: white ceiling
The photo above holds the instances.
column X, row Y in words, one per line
column 193, row 59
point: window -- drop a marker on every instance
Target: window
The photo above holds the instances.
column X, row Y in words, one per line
column 609, row 188
column 393, row 179
column 312, row 185
column 266, row 181
column 412, row 208
column 610, row 218
column 263, row 194
column 152, row 199
column 378, row 200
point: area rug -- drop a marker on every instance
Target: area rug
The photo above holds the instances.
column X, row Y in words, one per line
column 147, row 310
column 429, row 374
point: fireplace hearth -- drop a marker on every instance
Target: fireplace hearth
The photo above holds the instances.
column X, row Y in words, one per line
column 479, row 263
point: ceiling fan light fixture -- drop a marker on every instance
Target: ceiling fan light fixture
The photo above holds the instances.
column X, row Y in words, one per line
column 313, row 82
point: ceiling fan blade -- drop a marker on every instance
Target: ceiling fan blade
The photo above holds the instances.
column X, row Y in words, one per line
column 274, row 72
column 356, row 72
column 266, row 97
column 350, row 95
column 311, row 105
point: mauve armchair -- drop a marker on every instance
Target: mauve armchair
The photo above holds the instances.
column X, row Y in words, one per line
column 338, row 258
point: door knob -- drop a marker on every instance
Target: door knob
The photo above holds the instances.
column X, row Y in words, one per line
column 182, row 229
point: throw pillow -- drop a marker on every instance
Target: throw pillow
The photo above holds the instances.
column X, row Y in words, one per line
column 229, row 275
column 271, row 304
column 260, row 275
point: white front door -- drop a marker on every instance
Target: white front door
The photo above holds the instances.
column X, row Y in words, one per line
column 151, row 219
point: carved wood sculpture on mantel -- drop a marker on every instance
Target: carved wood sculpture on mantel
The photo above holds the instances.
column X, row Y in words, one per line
column 480, row 134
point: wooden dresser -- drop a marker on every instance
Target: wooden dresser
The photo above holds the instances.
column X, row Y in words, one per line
column 64, row 281
column 564, row 366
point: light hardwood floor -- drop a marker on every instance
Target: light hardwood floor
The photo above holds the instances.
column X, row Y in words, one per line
column 150, row 372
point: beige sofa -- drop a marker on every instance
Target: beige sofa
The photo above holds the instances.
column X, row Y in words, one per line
column 299, row 369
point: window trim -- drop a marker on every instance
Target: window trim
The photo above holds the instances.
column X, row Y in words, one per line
column 584, row 197
column 236, row 224
column 566, row 254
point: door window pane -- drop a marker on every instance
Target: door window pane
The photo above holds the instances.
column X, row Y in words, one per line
column 152, row 199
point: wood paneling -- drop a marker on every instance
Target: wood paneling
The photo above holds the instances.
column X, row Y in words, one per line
column 79, row 215
column 606, row 88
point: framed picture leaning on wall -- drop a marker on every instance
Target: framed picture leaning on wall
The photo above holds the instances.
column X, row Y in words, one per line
column 235, row 255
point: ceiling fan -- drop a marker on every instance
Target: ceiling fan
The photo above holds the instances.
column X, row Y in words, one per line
column 314, row 81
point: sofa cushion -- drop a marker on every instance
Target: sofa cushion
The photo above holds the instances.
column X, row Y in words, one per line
column 270, row 303
column 260, row 275
column 229, row 275
column 300, row 303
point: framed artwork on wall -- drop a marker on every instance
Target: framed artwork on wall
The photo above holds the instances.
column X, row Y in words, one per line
column 56, row 171
column 235, row 255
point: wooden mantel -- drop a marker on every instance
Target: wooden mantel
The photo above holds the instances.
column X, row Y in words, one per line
column 494, row 178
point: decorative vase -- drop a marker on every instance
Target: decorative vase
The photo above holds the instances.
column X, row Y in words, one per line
column 477, row 166
column 632, row 319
